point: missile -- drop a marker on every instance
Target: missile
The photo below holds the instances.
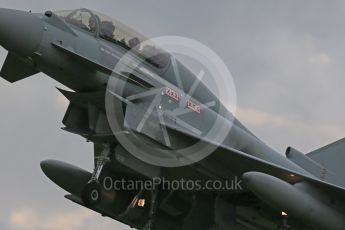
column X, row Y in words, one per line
column 291, row 199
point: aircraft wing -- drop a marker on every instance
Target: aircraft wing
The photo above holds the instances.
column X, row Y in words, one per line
column 239, row 162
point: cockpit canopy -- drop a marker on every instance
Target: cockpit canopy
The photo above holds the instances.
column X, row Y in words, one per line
column 116, row 32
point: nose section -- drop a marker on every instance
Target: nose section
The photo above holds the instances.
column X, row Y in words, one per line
column 20, row 32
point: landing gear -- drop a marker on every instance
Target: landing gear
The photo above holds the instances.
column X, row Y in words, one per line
column 153, row 210
column 92, row 192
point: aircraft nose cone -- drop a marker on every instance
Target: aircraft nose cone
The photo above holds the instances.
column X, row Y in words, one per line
column 68, row 177
column 20, row 32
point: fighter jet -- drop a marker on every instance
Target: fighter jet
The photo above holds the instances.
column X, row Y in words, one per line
column 80, row 49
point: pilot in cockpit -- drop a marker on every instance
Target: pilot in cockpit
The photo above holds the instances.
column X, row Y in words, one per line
column 107, row 29
column 134, row 44
column 93, row 23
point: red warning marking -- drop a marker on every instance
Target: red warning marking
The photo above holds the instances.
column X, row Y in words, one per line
column 193, row 106
column 172, row 93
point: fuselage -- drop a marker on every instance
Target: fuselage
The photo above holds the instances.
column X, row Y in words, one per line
column 82, row 76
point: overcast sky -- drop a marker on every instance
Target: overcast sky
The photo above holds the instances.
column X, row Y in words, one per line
column 287, row 59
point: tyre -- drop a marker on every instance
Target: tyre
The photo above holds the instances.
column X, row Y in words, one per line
column 92, row 194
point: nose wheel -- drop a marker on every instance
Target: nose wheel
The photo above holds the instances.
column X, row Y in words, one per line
column 92, row 194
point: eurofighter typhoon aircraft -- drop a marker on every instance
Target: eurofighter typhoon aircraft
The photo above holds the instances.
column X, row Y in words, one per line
column 142, row 122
